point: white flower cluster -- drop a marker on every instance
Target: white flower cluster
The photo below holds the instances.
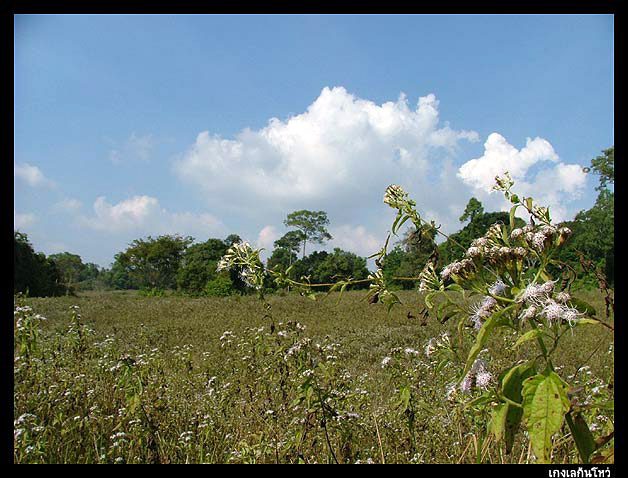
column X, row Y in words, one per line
column 243, row 255
column 479, row 374
column 482, row 310
column 538, row 298
column 395, row 196
column 459, row 268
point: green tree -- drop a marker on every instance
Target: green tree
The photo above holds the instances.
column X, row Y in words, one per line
column 232, row 239
column 198, row 265
column 33, row 273
column 474, row 207
column 312, row 225
column 341, row 265
column 70, row 266
column 286, row 248
column 593, row 230
column 410, row 255
column 605, row 166
column 308, row 266
column 154, row 262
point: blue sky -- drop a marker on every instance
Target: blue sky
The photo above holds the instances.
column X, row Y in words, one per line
column 205, row 125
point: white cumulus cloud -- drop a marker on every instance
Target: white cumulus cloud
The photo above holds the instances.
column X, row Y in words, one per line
column 342, row 145
column 535, row 169
column 31, row 175
column 142, row 215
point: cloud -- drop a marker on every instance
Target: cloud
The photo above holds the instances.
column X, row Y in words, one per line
column 142, row 215
column 22, row 221
column 67, row 205
column 535, row 169
column 265, row 239
column 135, row 148
column 341, row 144
column 357, row 239
column 31, row 175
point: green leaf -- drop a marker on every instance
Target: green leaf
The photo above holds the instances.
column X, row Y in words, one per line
column 497, row 424
column 404, row 398
column 496, row 319
column 428, row 300
column 402, row 222
column 530, row 335
column 511, row 385
column 456, row 287
column 529, row 203
column 544, row 408
column 396, row 221
column 512, row 216
column 581, row 435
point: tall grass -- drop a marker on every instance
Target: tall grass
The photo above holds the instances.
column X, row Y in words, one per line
column 132, row 379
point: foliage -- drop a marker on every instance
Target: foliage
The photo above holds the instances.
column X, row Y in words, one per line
column 149, row 380
column 473, row 209
column 507, row 271
column 33, row 273
column 219, row 286
column 594, row 229
column 341, row 265
column 154, row 262
column 75, row 273
column 198, row 265
column 312, row 225
column 410, row 254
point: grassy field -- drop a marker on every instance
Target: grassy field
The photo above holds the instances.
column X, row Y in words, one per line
column 132, row 379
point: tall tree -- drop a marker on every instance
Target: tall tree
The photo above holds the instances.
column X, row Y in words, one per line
column 312, row 224
column 198, row 265
column 154, row 262
column 70, row 266
column 34, row 273
column 474, row 207
column 291, row 242
column 593, row 230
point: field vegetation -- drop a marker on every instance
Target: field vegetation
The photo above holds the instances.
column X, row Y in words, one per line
column 118, row 377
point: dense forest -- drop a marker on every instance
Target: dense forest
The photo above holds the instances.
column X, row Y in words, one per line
column 176, row 263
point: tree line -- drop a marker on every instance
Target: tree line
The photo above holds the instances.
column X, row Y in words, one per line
column 174, row 262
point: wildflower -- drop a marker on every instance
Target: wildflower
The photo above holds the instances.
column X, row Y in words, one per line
column 547, row 287
column 466, row 383
column 520, row 252
column 571, row 315
column 538, row 241
column 395, row 196
column 386, row 361
column 497, row 288
column 473, row 251
column 563, row 297
column 483, row 379
column 516, row 233
column 479, row 242
column 553, row 311
column 410, row 351
column 528, row 313
column 451, row 391
column 531, row 293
